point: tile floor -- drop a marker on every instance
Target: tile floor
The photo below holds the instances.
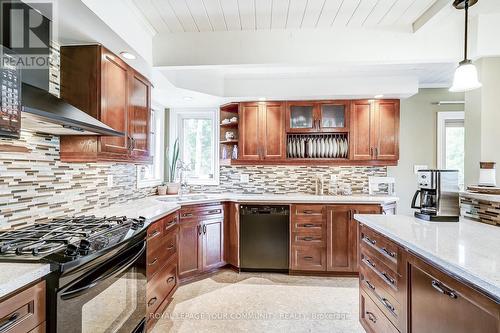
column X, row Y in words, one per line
column 264, row 302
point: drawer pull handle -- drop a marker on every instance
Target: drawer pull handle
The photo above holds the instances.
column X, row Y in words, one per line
column 308, row 239
column 155, row 260
column 443, row 290
column 9, row 322
column 152, row 301
column 389, row 253
column 170, row 279
column 308, row 225
column 307, row 211
column 171, row 247
column 308, row 258
column 388, row 278
column 187, row 214
column 154, row 234
column 388, row 305
column 214, row 211
column 371, row 317
column 170, row 223
column 369, row 241
column 371, row 263
column 371, row 286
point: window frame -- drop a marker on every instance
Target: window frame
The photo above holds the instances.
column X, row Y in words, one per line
column 442, row 117
column 175, row 124
column 159, row 116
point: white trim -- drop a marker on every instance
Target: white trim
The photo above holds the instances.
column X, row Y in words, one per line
column 176, row 116
column 442, row 117
column 160, row 143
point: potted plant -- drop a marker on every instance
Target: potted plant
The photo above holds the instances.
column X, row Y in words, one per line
column 172, row 185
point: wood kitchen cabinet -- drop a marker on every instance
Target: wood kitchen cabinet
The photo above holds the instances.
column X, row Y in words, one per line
column 314, row 117
column 201, row 240
column 161, row 266
column 374, row 130
column 99, row 83
column 439, row 303
column 262, row 131
column 325, row 237
column 342, row 236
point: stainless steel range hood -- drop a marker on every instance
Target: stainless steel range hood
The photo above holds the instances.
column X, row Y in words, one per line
column 46, row 113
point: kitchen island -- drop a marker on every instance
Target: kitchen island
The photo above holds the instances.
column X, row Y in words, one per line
column 435, row 274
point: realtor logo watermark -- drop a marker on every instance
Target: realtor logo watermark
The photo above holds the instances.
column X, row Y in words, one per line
column 27, row 30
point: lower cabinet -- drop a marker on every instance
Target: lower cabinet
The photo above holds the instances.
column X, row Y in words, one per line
column 439, row 303
column 324, row 238
column 24, row 311
column 161, row 266
column 201, row 238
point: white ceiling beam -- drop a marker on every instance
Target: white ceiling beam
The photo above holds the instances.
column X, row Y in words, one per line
column 429, row 14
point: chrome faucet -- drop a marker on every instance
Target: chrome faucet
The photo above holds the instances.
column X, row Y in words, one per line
column 183, row 167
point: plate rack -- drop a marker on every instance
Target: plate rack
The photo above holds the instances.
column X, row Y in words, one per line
column 317, row 146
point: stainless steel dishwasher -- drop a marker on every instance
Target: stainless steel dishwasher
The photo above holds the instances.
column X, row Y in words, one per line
column 264, row 238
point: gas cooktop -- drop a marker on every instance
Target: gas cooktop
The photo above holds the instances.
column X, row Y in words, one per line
column 68, row 239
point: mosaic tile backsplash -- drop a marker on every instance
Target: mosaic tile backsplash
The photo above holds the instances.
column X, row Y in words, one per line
column 36, row 185
column 290, row 179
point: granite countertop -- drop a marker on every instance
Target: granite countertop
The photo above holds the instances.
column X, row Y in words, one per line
column 467, row 249
column 14, row 276
column 155, row 207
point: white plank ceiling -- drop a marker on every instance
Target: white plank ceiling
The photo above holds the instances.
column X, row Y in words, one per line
column 232, row 15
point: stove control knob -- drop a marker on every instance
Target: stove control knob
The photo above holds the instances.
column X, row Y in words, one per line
column 135, row 225
column 71, row 250
column 84, row 246
column 142, row 220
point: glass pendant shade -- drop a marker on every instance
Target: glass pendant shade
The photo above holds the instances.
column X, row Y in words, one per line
column 466, row 78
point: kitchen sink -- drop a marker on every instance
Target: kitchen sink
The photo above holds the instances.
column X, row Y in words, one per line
column 183, row 198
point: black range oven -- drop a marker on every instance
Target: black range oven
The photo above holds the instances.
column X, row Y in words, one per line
column 98, row 279
column 110, row 297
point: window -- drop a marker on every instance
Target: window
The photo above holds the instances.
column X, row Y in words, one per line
column 152, row 175
column 451, row 142
column 197, row 133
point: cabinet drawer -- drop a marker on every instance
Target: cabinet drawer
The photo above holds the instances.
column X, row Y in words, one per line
column 155, row 259
column 376, row 288
column 24, row 311
column 169, row 245
column 170, row 222
column 372, row 318
column 299, row 225
column 308, row 258
column 154, row 233
column 308, row 211
column 308, row 239
column 201, row 212
column 160, row 286
column 388, row 276
column 385, row 250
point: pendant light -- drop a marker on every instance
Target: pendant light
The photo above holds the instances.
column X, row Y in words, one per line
column 466, row 73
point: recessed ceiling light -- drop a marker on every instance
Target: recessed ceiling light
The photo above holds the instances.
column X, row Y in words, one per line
column 379, row 96
column 127, row 55
column 188, row 98
column 262, row 99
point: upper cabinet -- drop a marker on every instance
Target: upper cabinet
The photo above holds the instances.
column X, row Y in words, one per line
column 375, row 130
column 261, row 131
column 98, row 82
column 322, row 117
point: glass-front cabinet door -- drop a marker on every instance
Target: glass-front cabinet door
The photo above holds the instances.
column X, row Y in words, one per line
column 301, row 117
column 333, row 117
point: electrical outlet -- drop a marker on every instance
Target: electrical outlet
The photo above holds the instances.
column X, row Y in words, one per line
column 110, row 180
column 244, row 178
column 417, row 167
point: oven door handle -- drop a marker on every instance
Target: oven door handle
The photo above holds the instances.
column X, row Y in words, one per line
column 109, row 273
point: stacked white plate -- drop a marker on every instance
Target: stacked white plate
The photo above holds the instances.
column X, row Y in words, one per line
column 317, row 146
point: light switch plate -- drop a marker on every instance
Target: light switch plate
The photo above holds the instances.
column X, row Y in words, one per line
column 417, row 167
column 110, row 180
column 244, row 178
